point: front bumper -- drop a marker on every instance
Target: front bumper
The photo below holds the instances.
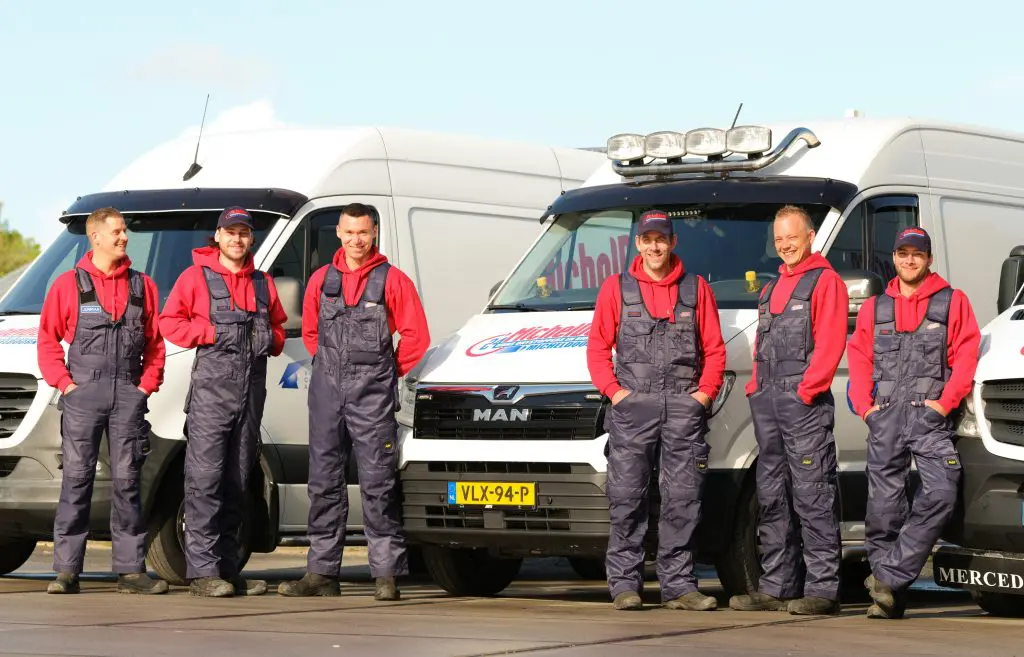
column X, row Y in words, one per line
column 990, row 509
column 979, row 570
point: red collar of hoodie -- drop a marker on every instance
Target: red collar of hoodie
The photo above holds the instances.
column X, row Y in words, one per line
column 659, row 296
column 112, row 292
column 357, row 275
column 910, row 310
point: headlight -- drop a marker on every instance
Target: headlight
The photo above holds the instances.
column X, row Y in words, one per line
column 407, row 402
column 727, row 382
column 967, row 426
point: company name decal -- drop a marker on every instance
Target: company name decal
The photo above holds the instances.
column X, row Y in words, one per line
column 296, row 375
column 19, row 336
column 533, row 338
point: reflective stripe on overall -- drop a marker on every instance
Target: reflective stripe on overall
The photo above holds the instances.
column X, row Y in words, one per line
column 224, row 409
column 909, row 367
column 353, row 396
column 105, row 360
column 659, row 424
column 796, row 464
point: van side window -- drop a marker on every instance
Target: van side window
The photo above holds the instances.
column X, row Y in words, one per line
column 866, row 237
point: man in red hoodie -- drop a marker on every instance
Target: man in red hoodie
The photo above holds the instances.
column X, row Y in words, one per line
column 107, row 313
column 230, row 314
column 669, row 366
column 351, row 309
column 912, row 359
column 801, row 334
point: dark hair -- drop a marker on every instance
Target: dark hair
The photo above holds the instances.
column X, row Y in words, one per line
column 359, row 210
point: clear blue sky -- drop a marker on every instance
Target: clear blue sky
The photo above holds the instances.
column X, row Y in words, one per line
column 87, row 87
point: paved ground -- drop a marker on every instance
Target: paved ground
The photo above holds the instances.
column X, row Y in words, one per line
column 549, row 613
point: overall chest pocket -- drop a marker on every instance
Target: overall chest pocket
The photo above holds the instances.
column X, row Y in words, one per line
column 91, row 333
column 927, row 356
column 635, row 341
column 133, row 337
column 682, row 343
column 789, row 339
column 887, row 362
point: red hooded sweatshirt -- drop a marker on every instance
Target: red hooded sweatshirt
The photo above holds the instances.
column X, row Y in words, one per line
column 185, row 320
column 963, row 335
column 59, row 318
column 660, row 300
column 830, row 315
column 405, row 310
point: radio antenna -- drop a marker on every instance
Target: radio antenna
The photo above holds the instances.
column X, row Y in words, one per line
column 196, row 167
column 737, row 116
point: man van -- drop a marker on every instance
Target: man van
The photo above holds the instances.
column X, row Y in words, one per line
column 986, row 534
column 438, row 199
column 503, row 445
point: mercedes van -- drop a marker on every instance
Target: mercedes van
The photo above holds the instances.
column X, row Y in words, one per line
column 437, row 199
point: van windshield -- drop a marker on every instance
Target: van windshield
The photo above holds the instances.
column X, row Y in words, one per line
column 159, row 244
column 719, row 241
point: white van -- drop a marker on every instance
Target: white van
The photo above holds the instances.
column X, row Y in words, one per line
column 509, row 400
column 439, row 198
column 986, row 534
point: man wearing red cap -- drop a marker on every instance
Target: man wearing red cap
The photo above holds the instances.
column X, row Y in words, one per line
column 912, row 359
column 670, row 360
column 229, row 312
column 801, row 335
column 107, row 313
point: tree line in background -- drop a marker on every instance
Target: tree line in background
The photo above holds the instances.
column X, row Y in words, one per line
column 15, row 249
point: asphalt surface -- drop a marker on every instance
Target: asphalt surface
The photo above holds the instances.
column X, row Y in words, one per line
column 549, row 612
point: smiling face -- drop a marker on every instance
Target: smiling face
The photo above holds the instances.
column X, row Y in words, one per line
column 912, row 264
column 357, row 235
column 793, row 238
column 656, row 249
column 109, row 237
column 234, row 242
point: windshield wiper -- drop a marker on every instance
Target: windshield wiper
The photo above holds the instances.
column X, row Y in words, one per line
column 516, row 306
column 4, row 313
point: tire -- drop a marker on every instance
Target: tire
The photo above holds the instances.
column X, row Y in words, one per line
column 14, row 552
column 1000, row 604
column 466, row 572
column 166, row 538
column 739, row 567
column 591, row 568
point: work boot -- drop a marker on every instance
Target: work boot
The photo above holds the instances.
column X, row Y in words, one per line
column 628, row 601
column 65, row 583
column 140, row 583
column 311, row 584
column 243, row 586
column 211, row 587
column 813, row 606
column 757, row 601
column 889, row 603
column 874, row 611
column 693, row 601
column 386, row 589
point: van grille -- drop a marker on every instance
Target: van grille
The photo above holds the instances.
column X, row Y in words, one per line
column 16, row 394
column 7, row 465
column 555, row 415
column 1004, row 410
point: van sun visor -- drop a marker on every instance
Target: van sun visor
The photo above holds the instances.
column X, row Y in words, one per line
column 278, row 201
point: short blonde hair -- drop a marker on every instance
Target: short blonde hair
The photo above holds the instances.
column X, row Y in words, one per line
column 787, row 210
column 100, row 216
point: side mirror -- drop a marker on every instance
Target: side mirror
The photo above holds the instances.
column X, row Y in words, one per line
column 1011, row 277
column 494, row 288
column 289, row 292
column 861, row 285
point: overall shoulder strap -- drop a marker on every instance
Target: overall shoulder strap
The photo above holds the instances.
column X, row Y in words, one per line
column 376, row 283
column 262, row 290
column 220, row 296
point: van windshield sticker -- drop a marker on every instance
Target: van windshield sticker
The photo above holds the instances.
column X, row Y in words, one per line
column 531, row 339
column 19, row 336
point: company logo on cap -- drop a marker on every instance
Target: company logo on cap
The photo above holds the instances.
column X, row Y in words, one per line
column 915, row 232
column 232, row 214
column 652, row 217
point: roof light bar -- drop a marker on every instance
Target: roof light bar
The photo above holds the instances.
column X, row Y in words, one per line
column 752, row 140
column 626, row 147
column 665, row 145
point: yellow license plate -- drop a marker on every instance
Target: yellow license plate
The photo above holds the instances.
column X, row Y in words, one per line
column 492, row 493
